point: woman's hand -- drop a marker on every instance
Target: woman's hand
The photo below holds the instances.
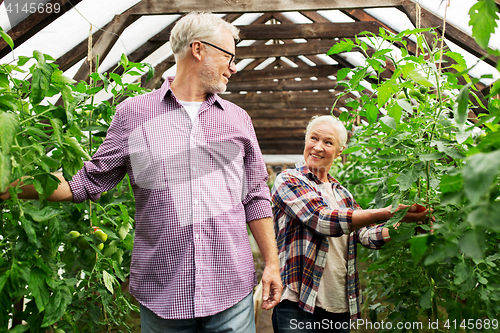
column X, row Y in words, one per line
column 5, row 195
column 416, row 213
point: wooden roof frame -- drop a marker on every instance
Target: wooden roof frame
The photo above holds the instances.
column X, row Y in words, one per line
column 280, row 105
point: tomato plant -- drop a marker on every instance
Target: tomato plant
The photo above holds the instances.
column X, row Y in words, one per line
column 415, row 143
column 63, row 266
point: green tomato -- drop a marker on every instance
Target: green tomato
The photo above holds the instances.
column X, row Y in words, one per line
column 417, row 95
column 423, row 89
column 73, row 236
column 100, row 246
column 101, row 235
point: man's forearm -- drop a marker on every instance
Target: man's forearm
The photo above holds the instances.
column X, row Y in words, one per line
column 263, row 232
column 62, row 193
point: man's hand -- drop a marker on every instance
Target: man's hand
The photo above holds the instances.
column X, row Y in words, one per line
column 271, row 287
column 263, row 232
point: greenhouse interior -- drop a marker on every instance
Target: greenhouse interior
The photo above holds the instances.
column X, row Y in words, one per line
column 415, row 83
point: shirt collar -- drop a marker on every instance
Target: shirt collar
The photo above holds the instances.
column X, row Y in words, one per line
column 302, row 168
column 167, row 91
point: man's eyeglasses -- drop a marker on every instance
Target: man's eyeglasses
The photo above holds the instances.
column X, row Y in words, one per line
column 231, row 61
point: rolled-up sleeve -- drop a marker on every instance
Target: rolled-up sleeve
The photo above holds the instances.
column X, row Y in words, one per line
column 300, row 201
column 371, row 237
column 256, row 196
column 107, row 167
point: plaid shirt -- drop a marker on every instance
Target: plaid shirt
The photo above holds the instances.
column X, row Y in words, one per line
column 196, row 185
column 303, row 219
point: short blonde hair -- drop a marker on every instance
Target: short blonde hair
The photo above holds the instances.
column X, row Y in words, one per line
column 341, row 131
column 201, row 26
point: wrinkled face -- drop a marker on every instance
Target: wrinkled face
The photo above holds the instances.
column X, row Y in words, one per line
column 216, row 70
column 321, row 149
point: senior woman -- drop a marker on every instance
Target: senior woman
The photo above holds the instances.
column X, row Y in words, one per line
column 317, row 224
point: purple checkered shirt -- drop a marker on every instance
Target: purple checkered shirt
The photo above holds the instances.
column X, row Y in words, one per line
column 196, row 185
column 302, row 220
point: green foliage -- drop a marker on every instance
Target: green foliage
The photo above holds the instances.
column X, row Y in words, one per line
column 483, row 17
column 416, row 145
column 68, row 285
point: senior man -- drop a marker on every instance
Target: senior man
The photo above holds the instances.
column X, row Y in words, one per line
column 198, row 178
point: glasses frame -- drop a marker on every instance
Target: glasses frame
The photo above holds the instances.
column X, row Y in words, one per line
column 231, row 61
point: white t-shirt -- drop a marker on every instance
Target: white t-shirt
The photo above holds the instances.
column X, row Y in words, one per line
column 192, row 108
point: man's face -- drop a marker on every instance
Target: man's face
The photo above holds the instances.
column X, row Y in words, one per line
column 215, row 70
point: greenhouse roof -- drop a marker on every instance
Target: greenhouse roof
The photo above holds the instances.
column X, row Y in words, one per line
column 284, row 75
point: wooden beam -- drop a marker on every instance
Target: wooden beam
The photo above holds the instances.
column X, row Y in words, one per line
column 276, row 50
column 282, row 85
column 284, row 73
column 280, row 122
column 283, row 100
column 281, row 147
column 295, row 133
column 27, row 28
column 307, row 31
column 290, row 31
column 325, row 105
column 279, row 96
column 315, row 59
column 304, row 113
column 160, row 7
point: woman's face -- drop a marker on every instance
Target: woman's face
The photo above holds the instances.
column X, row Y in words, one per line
column 321, row 149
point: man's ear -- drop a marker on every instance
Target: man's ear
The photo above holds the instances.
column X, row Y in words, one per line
column 196, row 50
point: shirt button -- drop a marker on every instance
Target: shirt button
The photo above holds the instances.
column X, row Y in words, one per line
column 196, row 236
column 196, row 202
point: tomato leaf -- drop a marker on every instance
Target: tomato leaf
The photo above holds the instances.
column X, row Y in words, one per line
column 9, row 125
column 479, row 173
column 5, row 171
column 57, row 305
column 472, row 243
column 462, row 108
column 483, row 16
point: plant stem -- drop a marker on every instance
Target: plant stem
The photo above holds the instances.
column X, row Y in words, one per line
column 37, row 115
column 435, row 308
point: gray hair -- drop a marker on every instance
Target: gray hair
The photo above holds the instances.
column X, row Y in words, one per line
column 201, row 26
column 341, row 131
